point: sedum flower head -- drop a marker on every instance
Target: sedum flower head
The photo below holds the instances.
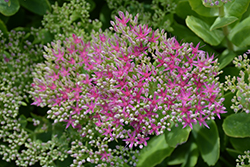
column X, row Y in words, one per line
column 240, row 84
column 72, row 17
column 214, row 2
column 243, row 160
column 126, row 86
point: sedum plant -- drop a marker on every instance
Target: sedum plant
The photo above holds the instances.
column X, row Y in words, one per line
column 240, row 84
column 72, row 17
column 124, row 87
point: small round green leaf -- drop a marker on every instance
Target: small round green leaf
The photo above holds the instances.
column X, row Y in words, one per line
column 208, row 142
column 39, row 7
column 199, row 8
column 237, row 125
column 240, row 35
column 222, row 22
column 155, row 152
column 202, row 29
column 9, row 9
column 177, row 135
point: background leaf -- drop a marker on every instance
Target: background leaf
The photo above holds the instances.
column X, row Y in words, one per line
column 177, row 135
column 241, row 144
column 199, row 8
column 3, row 27
column 39, row 7
column 156, row 151
column 236, row 7
column 9, row 10
column 240, row 35
column 208, row 142
column 191, row 156
column 237, row 125
column 226, row 58
column 222, row 22
column 201, row 29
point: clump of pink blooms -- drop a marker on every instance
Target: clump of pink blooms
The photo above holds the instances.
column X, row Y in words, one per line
column 128, row 85
column 215, row 2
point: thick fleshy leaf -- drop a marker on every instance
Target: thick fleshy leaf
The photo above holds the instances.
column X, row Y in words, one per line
column 234, row 153
column 177, row 135
column 186, row 35
column 9, row 9
column 178, row 156
column 201, row 29
column 237, row 125
column 156, row 151
column 183, row 9
column 241, row 144
column 240, row 35
column 236, row 7
column 208, row 142
column 191, row 156
column 3, row 27
column 226, row 58
column 222, row 22
column 39, row 7
column 185, row 154
column 227, row 103
column 199, row 8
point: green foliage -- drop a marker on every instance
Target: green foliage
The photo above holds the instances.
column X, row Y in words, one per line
column 155, row 152
column 239, row 35
column 202, row 29
column 39, row 7
column 222, row 22
column 222, row 30
column 237, row 125
column 199, row 8
column 177, row 135
column 9, row 9
column 208, row 142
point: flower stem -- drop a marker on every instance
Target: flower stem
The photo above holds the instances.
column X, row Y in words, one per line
column 225, row 29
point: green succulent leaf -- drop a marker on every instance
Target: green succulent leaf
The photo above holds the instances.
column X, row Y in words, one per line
column 208, row 142
column 241, row 144
column 9, row 9
column 185, row 154
column 226, row 58
column 199, row 8
column 222, row 22
column 236, row 8
column 177, row 135
column 240, row 35
column 202, row 29
column 39, row 7
column 192, row 155
column 155, row 152
column 3, row 27
column 237, row 125
column 183, row 9
column 234, row 153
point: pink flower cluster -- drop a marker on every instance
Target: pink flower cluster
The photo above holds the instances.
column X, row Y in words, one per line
column 128, row 85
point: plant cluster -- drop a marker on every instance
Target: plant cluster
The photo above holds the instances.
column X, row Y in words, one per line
column 72, row 94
